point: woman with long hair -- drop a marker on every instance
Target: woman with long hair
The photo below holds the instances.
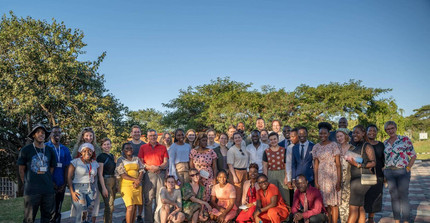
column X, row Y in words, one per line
column 166, row 140
column 190, row 137
column 221, row 152
column 327, row 171
column 169, row 205
column 179, row 159
column 361, row 164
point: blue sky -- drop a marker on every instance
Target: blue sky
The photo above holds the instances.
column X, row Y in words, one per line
column 154, row 48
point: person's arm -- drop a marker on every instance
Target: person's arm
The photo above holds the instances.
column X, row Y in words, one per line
column 412, row 154
column 172, row 159
column 296, row 202
column 227, row 209
column 265, row 163
column 273, row 203
column 293, row 166
column 214, row 168
column 370, row 152
column 245, row 188
column 316, row 164
column 214, row 204
column 101, row 180
column 316, row 208
column 74, row 195
column 338, row 172
column 22, row 172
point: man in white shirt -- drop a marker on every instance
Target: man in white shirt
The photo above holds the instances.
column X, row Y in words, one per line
column 256, row 150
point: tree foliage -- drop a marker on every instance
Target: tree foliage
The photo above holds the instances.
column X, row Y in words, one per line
column 223, row 102
column 419, row 121
column 147, row 119
column 42, row 81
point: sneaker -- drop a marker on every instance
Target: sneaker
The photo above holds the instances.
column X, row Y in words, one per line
column 139, row 219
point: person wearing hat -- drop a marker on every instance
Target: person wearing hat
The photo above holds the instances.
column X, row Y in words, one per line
column 36, row 163
column 81, row 179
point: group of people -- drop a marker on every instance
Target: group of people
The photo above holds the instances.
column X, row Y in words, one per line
column 263, row 176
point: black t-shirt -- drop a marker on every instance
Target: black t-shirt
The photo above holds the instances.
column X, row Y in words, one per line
column 108, row 163
column 37, row 183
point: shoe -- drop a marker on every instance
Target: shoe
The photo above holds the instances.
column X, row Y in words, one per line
column 124, row 221
column 139, row 219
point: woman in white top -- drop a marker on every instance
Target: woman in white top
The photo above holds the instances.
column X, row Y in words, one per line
column 169, row 205
column 238, row 162
column 82, row 182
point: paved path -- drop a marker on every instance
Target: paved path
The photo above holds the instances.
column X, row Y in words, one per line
column 419, row 198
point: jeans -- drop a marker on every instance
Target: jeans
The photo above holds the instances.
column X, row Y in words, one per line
column 59, row 198
column 46, row 202
column 87, row 193
column 398, row 184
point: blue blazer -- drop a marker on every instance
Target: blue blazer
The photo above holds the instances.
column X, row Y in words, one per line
column 300, row 166
column 282, row 143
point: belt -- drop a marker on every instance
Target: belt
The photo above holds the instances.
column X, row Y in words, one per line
column 108, row 176
column 394, row 168
column 240, row 168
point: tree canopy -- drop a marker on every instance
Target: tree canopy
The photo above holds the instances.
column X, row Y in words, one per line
column 42, row 81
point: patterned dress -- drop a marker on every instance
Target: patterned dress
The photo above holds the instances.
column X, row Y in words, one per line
column 345, row 186
column 189, row 207
column 327, row 174
column 203, row 161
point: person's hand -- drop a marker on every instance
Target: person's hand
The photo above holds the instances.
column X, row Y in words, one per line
column 317, row 186
column 235, row 180
column 285, row 180
column 249, row 205
column 408, row 169
column 338, row 186
column 297, row 217
column 208, row 206
column 170, row 217
column 75, row 196
column 105, row 192
column 221, row 217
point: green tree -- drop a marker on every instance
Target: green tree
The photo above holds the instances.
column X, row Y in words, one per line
column 42, row 81
column 147, row 119
column 419, row 121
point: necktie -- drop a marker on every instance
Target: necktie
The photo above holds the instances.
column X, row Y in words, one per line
column 305, row 207
column 302, row 152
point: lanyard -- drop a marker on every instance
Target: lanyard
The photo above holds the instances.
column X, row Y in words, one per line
column 89, row 168
column 38, row 156
column 58, row 152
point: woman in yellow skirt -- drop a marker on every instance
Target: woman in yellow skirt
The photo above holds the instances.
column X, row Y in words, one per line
column 130, row 171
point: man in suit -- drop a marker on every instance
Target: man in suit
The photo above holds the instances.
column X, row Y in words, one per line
column 286, row 132
column 302, row 157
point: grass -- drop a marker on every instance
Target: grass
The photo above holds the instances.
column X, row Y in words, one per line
column 12, row 210
column 422, row 147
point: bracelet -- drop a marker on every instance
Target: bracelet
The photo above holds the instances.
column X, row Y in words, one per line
column 408, row 168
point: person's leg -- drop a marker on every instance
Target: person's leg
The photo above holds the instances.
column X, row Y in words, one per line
column 319, row 218
column 403, row 186
column 391, row 177
column 164, row 212
column 353, row 214
column 59, row 198
column 109, row 200
column 129, row 214
column 31, row 205
column 334, row 213
column 276, row 215
column 47, row 208
column 149, row 195
column 370, row 218
column 361, row 215
column 328, row 209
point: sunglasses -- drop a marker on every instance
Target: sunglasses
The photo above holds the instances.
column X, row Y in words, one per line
column 262, row 182
column 193, row 175
column 88, row 129
column 240, row 150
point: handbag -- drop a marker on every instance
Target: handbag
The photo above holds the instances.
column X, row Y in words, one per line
column 367, row 178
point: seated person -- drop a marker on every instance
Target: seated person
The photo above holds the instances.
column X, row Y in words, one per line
column 307, row 203
column 193, row 205
column 169, row 203
column 223, row 196
column 249, row 195
column 270, row 205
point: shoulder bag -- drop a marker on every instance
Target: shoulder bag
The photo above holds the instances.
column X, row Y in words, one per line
column 367, row 178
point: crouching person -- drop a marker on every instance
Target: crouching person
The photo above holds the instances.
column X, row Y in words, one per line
column 270, row 205
column 307, row 203
column 169, row 205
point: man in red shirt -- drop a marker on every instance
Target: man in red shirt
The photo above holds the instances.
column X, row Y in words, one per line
column 155, row 158
column 307, row 203
column 270, row 205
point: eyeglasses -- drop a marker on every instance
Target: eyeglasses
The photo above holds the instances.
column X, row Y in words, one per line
column 193, row 175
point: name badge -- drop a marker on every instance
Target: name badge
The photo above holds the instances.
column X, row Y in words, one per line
column 43, row 169
column 59, row 165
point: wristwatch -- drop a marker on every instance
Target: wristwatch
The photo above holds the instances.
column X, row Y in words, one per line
column 359, row 166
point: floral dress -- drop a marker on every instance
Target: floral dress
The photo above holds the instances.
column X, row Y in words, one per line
column 189, row 207
column 327, row 173
column 203, row 161
column 345, row 186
